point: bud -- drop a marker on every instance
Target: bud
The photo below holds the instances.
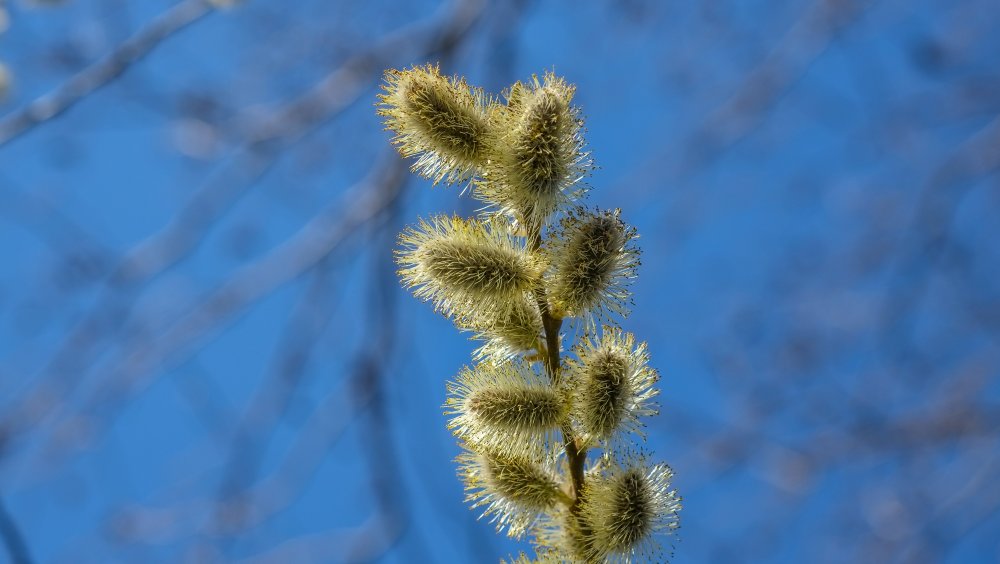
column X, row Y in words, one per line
column 442, row 121
column 613, row 385
column 593, row 262
column 505, row 407
column 539, row 158
column 514, row 488
column 625, row 509
column 462, row 266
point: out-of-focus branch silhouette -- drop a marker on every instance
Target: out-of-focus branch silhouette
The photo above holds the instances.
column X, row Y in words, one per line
column 758, row 90
column 124, row 350
column 864, row 349
column 13, row 540
column 102, row 73
column 161, row 251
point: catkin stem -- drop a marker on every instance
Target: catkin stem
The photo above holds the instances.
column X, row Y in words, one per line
column 575, row 456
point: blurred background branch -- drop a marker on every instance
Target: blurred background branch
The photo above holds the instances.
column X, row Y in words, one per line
column 13, row 540
column 100, row 74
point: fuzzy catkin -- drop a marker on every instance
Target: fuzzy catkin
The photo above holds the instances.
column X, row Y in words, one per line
column 615, row 386
column 460, row 265
column 507, row 407
column 593, row 262
column 506, row 333
column 625, row 508
column 514, row 488
column 442, row 121
column 538, row 158
column 605, row 394
column 545, row 557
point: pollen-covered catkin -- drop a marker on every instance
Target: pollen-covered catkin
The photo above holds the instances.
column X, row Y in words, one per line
column 442, row 121
column 514, row 488
column 464, row 266
column 549, row 557
column 539, row 159
column 507, row 407
column 613, row 385
column 593, row 262
column 506, row 333
column 625, row 509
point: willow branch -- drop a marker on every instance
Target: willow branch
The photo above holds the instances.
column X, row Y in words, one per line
column 576, row 457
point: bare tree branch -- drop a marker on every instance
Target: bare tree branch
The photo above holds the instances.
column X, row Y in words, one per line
column 13, row 540
column 102, row 73
column 266, row 137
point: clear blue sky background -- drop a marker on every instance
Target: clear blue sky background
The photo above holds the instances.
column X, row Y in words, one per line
column 779, row 160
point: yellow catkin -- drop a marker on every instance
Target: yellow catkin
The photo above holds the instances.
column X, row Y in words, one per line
column 467, row 265
column 442, row 121
column 593, row 262
column 507, row 407
column 625, row 509
column 513, row 488
column 539, row 160
column 614, row 387
column 505, row 334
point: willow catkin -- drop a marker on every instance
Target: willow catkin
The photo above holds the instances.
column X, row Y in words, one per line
column 514, row 488
column 507, row 407
column 544, row 557
column 593, row 262
column 539, row 158
column 613, row 386
column 442, row 121
column 505, row 334
column 625, row 509
column 467, row 265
